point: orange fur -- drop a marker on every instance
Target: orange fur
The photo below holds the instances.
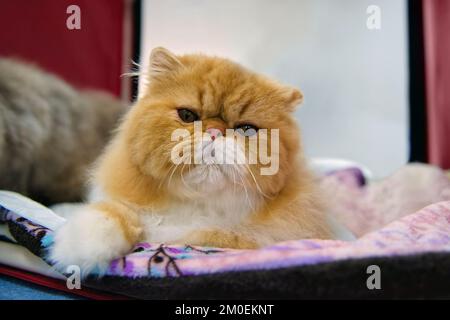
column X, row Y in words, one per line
column 136, row 169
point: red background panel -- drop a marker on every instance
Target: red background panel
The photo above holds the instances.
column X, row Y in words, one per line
column 436, row 17
column 35, row 30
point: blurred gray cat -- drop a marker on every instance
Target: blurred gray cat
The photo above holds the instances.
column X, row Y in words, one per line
column 49, row 132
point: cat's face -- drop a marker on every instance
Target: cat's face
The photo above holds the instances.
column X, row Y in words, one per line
column 192, row 92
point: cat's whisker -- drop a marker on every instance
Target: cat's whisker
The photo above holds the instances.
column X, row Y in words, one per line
column 171, row 175
column 136, row 64
column 136, row 71
column 165, row 178
column 258, row 187
column 192, row 191
column 245, row 189
column 176, row 167
column 234, row 181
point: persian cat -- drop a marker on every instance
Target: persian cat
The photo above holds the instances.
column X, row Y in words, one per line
column 49, row 132
column 141, row 192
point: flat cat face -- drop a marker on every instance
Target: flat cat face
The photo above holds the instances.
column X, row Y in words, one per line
column 189, row 107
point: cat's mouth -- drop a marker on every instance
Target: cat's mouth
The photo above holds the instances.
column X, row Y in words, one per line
column 217, row 168
column 217, row 164
column 221, row 151
column 212, row 178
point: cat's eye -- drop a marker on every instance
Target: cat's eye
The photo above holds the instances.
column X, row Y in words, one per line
column 246, row 129
column 187, row 115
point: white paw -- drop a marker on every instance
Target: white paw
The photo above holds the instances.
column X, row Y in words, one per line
column 90, row 239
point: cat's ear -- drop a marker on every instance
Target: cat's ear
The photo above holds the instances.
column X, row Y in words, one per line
column 162, row 61
column 293, row 97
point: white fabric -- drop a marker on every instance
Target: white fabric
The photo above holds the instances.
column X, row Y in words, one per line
column 19, row 257
column 30, row 210
column 4, row 231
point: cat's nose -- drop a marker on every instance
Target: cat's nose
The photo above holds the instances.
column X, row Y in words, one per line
column 215, row 132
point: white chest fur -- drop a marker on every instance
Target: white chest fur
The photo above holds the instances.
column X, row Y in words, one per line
column 223, row 210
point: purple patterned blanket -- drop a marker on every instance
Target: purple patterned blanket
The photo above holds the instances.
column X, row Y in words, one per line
column 404, row 214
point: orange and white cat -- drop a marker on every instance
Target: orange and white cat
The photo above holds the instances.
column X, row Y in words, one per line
column 141, row 195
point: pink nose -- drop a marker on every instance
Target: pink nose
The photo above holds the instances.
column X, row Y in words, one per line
column 214, row 133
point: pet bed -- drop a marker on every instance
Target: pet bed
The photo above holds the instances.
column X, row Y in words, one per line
column 402, row 224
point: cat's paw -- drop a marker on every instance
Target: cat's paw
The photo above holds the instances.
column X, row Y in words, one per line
column 90, row 240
